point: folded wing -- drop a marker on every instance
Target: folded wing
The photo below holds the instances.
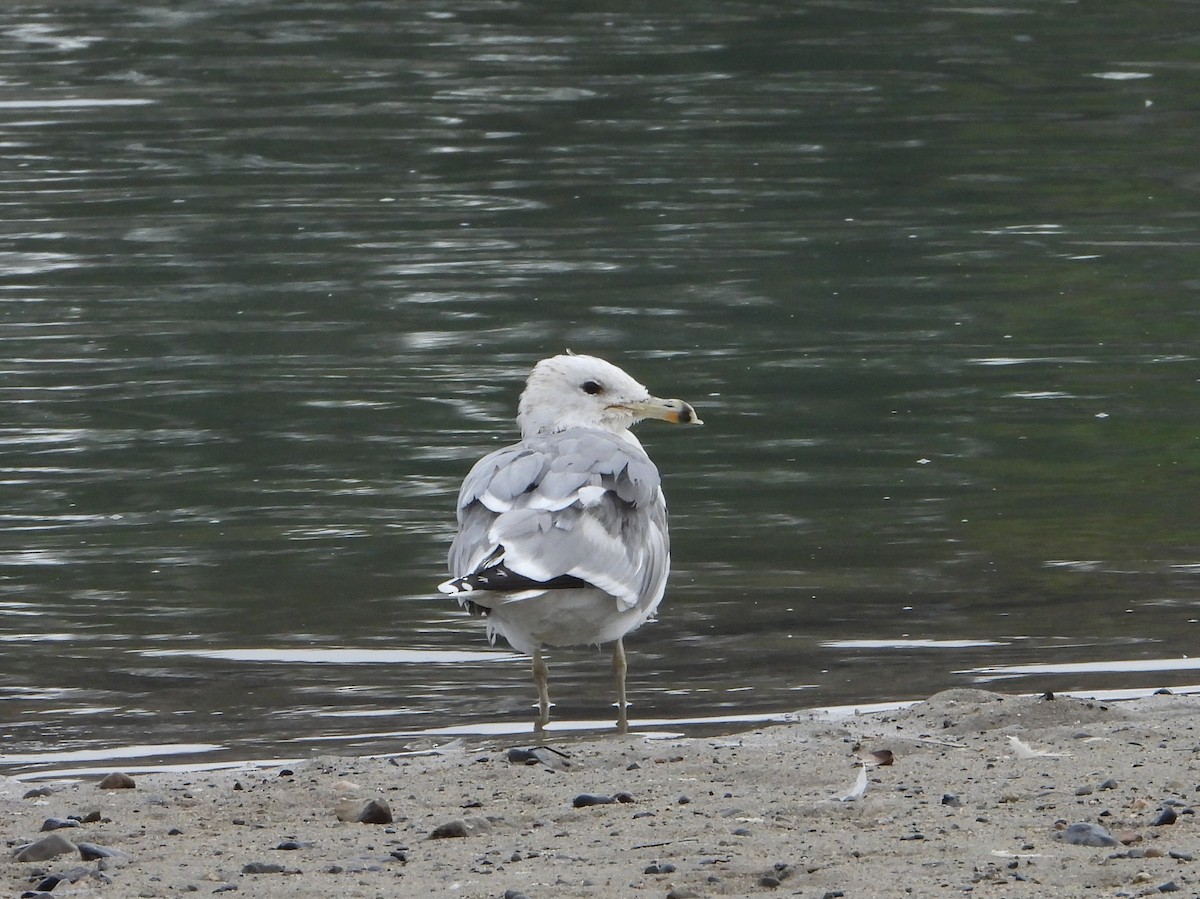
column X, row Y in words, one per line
column 580, row 506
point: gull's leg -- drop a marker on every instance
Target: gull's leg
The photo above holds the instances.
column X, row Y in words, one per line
column 619, row 668
column 541, row 675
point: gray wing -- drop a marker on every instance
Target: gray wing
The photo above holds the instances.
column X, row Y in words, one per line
column 582, row 503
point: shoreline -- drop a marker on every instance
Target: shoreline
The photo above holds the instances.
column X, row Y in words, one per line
column 961, row 809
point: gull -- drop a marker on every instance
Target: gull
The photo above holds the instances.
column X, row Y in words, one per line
column 562, row 538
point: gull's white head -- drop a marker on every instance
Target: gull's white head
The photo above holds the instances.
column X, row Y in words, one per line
column 585, row 392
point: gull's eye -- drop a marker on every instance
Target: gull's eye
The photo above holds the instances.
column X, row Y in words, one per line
column 592, row 387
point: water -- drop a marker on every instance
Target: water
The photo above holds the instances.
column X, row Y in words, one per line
column 271, row 275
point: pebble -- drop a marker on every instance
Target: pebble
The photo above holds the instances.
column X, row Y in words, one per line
column 44, row 849
column 777, row 875
column 1166, row 816
column 1084, row 834
column 58, row 824
column 951, row 800
column 74, row 875
column 660, row 868
column 117, row 781
column 539, row 755
column 364, row 811
column 1109, row 784
column 293, row 845
column 583, row 800
column 90, row 852
column 682, row 893
column 463, row 827
column 264, row 868
column 376, row 811
column 514, row 894
column 38, row 793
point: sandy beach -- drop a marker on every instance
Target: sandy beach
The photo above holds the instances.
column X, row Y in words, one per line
column 1090, row 799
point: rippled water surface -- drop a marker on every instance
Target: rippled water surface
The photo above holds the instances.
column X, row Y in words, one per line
column 271, row 275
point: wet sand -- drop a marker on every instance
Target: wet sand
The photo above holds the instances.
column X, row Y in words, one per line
column 962, row 809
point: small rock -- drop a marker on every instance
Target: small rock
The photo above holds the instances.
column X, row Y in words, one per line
column 514, row 894
column 539, row 755
column 1181, row 856
column 1169, row 887
column 48, row 885
column 44, row 849
column 524, row 756
column 376, row 811
column 682, row 893
column 833, row 894
column 660, row 868
column 364, row 811
column 951, row 800
column 1166, row 816
column 583, row 800
column 263, row 868
column 90, row 852
column 117, row 781
column 1109, row 784
column 58, row 824
column 38, row 793
column 463, row 827
column 1084, row 834
column 293, row 845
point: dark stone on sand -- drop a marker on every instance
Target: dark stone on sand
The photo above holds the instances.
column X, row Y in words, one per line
column 951, row 800
column 538, row 755
column 44, row 849
column 1084, row 834
column 376, row 811
column 463, row 827
column 369, row 811
column 293, row 845
column 117, row 781
column 58, row 824
column 520, row 756
column 1166, row 816
column 583, row 800
column 660, row 868
column 514, row 894
column 38, row 793
column 264, row 868
column 90, row 852
column 48, row 885
column 776, row 876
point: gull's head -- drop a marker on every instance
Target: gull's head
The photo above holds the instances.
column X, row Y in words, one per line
column 585, row 392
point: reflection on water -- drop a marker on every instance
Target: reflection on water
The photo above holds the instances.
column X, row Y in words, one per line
column 270, row 279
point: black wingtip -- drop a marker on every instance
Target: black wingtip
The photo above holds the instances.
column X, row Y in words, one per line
column 500, row 578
